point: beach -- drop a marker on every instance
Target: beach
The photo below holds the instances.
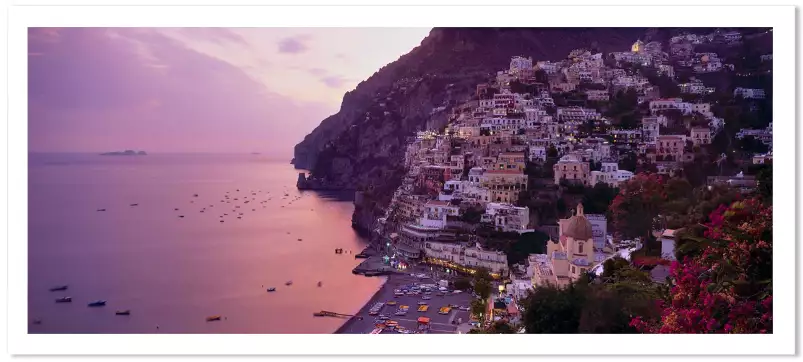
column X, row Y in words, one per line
column 439, row 323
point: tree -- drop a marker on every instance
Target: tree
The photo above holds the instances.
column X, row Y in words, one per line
column 500, row 327
column 597, row 199
column 764, row 179
column 482, row 273
column 552, row 151
column 462, row 283
column 527, row 243
column 483, row 288
column 727, row 288
column 635, row 208
column 553, row 310
column 477, row 307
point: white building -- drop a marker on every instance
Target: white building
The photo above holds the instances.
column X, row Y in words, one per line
column 599, row 229
column 576, row 114
column 537, row 154
column 751, row 93
column 519, row 65
column 506, row 217
column 650, row 128
column 598, row 95
column 670, row 103
column 610, row 174
column 435, row 213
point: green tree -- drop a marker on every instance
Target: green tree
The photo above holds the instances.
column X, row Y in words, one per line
column 500, row 327
column 477, row 307
column 483, row 288
column 597, row 199
column 764, row 179
column 635, row 208
column 554, row 310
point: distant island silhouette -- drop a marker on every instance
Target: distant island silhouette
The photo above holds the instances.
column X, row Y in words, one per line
column 124, row 153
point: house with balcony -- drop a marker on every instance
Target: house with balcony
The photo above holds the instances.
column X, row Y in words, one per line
column 610, row 174
column 701, row 135
column 572, row 169
column 749, row 93
column 507, row 217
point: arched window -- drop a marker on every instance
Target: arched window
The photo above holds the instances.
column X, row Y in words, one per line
column 580, row 248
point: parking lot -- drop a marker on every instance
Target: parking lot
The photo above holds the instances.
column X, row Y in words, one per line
column 439, row 323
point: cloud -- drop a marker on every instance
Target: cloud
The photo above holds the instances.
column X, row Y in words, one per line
column 334, row 81
column 318, row 72
column 95, row 92
column 215, row 35
column 294, row 45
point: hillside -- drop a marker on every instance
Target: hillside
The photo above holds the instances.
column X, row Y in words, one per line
column 361, row 146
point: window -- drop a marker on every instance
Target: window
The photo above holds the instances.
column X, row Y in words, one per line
column 580, row 248
column 573, row 271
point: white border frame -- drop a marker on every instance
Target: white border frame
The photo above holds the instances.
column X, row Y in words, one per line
column 781, row 18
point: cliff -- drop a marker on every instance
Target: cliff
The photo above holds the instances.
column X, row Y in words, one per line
column 361, row 147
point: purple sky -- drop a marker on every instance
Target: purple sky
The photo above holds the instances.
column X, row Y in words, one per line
column 196, row 89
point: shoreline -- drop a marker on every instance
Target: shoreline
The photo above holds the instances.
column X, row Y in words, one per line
column 363, row 311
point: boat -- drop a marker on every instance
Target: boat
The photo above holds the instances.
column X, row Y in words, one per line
column 181, row 216
column 101, row 209
column 58, row 288
column 195, row 195
column 37, row 321
column 123, row 312
column 320, row 284
column 289, row 282
column 319, row 314
column 134, row 204
column 64, row 300
column 271, row 289
column 97, row 303
column 213, row 318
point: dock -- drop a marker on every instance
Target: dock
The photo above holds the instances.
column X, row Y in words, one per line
column 325, row 313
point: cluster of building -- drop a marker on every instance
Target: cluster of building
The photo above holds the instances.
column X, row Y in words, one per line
column 473, row 171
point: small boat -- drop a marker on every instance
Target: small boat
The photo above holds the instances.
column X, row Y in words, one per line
column 58, row 288
column 289, row 283
column 64, row 300
column 213, row 318
column 37, row 321
column 299, row 239
column 195, row 195
column 134, row 204
column 176, row 209
column 320, row 284
column 181, row 216
column 271, row 289
column 319, row 314
column 97, row 303
column 101, row 209
column 222, row 221
column 123, row 312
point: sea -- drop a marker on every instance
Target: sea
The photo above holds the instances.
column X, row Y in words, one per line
column 173, row 272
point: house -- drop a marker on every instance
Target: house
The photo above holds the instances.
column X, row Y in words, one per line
column 760, row 159
column 506, row 217
column 599, row 229
column 598, row 95
column 701, row 135
column 659, row 105
column 504, row 185
column 465, row 259
column 650, row 129
column 749, row 93
column 702, row 108
column 511, row 161
column 744, row 183
column 666, row 70
column 576, row 114
column 537, row 154
column 670, row 147
column 572, row 169
column 668, row 243
column 625, row 136
column 435, row 213
column 610, row 174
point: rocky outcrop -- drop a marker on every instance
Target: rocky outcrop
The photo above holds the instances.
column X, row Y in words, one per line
column 362, row 146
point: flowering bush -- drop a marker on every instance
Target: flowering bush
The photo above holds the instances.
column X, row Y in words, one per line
column 727, row 287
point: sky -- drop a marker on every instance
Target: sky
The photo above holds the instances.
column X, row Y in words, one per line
column 196, row 89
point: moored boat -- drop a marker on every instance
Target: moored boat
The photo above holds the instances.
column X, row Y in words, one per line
column 213, row 318
column 97, row 303
column 123, row 312
column 320, row 284
column 58, row 288
column 271, row 289
column 64, row 300
column 289, row 283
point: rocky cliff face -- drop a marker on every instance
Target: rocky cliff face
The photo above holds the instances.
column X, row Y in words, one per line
column 362, row 146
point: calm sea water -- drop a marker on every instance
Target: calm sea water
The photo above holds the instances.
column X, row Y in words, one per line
column 173, row 272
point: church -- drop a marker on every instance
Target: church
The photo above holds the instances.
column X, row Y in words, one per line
column 568, row 258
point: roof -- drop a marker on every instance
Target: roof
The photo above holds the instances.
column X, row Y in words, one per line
column 512, row 154
column 504, row 172
column 437, row 203
column 577, row 226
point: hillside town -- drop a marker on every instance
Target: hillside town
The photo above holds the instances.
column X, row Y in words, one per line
column 521, row 182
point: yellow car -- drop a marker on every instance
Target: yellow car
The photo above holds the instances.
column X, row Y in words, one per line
column 445, row 310
column 392, row 302
column 423, row 308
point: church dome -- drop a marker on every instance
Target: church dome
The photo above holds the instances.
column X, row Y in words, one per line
column 578, row 227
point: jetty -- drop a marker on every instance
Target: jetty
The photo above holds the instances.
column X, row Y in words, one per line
column 325, row 313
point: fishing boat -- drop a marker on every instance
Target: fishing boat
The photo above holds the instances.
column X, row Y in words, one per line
column 319, row 314
column 289, row 283
column 195, row 195
column 123, row 312
column 134, row 204
column 97, row 303
column 271, row 289
column 213, row 318
column 320, row 284
column 181, row 216
column 58, row 288
column 101, row 209
column 64, row 300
